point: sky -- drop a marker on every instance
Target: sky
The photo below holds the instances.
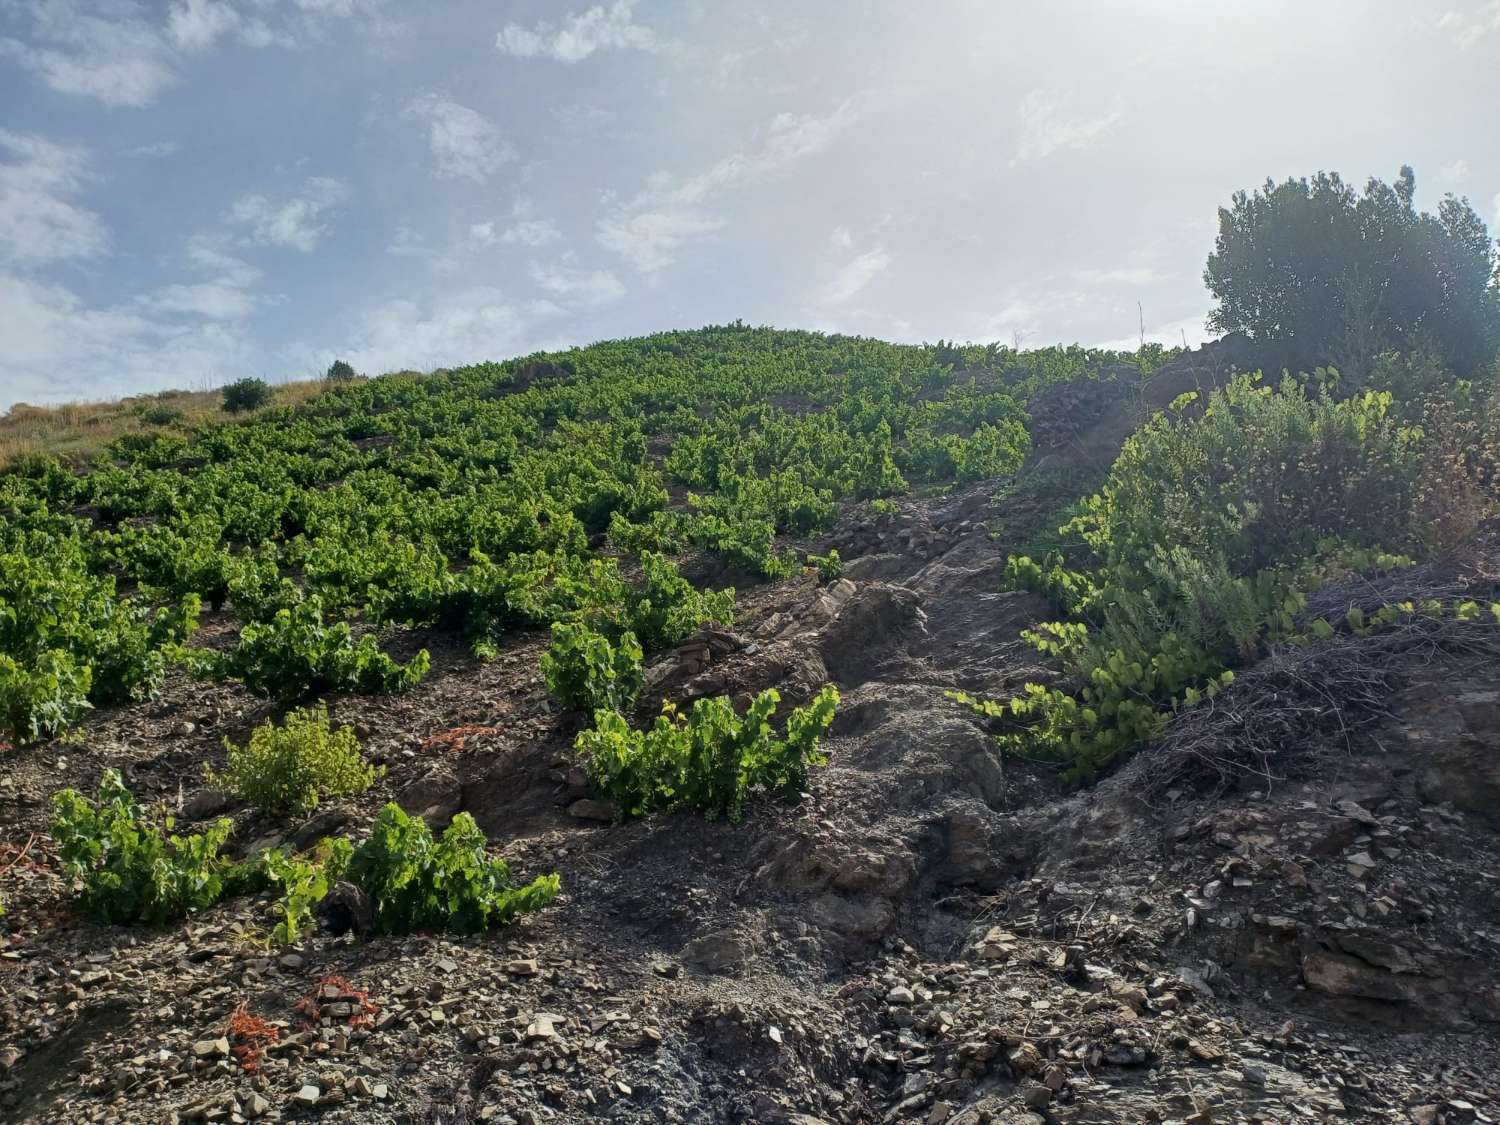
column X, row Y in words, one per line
column 193, row 191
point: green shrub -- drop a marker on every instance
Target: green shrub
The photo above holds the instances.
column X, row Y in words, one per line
column 1204, row 539
column 667, row 608
column 339, row 372
column 295, row 655
column 246, row 394
column 830, row 566
column 43, row 698
column 302, row 885
column 415, row 882
column 288, row 769
column 130, row 865
column 69, row 640
column 710, row 759
column 586, row 672
column 161, row 414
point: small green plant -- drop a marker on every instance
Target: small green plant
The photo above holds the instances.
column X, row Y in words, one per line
column 130, row 866
column 295, row 655
column 161, row 414
column 340, row 372
column 416, row 882
column 303, row 884
column 830, row 566
column 710, row 759
column 667, row 608
column 246, row 394
column 289, row 768
column 585, row 672
column 882, row 507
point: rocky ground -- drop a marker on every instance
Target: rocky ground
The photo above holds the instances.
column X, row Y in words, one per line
column 933, row 934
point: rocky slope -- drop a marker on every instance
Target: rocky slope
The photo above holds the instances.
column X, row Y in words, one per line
column 933, row 934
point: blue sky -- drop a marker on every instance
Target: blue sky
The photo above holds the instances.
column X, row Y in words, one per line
column 196, row 190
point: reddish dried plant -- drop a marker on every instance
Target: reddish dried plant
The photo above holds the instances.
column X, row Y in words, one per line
column 248, row 1036
column 334, row 989
column 457, row 738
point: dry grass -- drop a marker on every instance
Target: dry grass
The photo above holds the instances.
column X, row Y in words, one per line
column 76, row 431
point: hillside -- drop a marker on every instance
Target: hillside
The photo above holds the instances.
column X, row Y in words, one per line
column 1161, row 782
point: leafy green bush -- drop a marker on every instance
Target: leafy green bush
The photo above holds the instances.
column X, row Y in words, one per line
column 667, row 608
column 45, row 697
column 295, row 655
column 68, row 640
column 710, row 759
column 161, row 414
column 246, row 394
column 288, row 769
column 830, row 566
column 1204, row 539
column 131, row 867
column 302, row 885
column 415, row 882
column 586, row 672
column 339, row 372
column 1324, row 274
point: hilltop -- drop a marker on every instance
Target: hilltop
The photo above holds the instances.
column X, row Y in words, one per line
column 1160, row 782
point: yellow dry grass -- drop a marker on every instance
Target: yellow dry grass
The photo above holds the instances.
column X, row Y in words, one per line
column 76, row 431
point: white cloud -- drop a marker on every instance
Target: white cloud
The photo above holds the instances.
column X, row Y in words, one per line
column 524, row 230
column 1047, row 126
column 841, row 238
column 465, row 145
column 160, row 148
column 857, row 273
column 1124, row 275
column 58, row 349
column 298, row 222
column 114, row 52
column 649, row 230
column 1455, row 173
column 210, row 300
column 461, row 327
column 649, row 240
column 228, row 294
column 1468, row 29
column 39, row 223
column 105, row 52
column 588, row 287
column 598, row 29
column 532, row 232
column 195, row 25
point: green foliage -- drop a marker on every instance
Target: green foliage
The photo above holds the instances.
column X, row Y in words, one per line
column 131, row 867
column 302, row 885
column 1211, row 528
column 667, row 609
column 710, row 759
column 295, row 655
column 289, row 768
column 488, row 499
column 1327, row 275
column 339, row 372
column 68, row 640
column 586, row 672
column 416, row 882
column 246, row 394
column 830, row 566
column 161, row 414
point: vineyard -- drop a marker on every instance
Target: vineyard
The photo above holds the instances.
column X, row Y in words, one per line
column 706, row 594
column 496, row 498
